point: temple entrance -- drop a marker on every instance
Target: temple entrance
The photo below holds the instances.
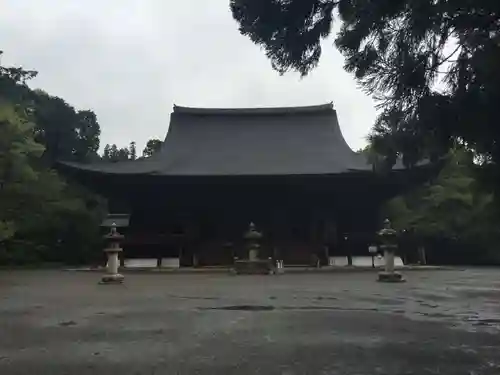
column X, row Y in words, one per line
column 298, row 225
column 208, row 237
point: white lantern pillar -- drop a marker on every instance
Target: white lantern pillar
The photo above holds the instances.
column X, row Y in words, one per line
column 113, row 238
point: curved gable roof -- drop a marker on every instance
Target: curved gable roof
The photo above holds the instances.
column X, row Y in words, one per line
column 247, row 141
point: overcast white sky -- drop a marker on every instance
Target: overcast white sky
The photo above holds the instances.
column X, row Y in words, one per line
column 131, row 60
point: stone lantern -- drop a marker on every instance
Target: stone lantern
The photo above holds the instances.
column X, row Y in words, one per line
column 254, row 264
column 252, row 236
column 113, row 240
column 388, row 244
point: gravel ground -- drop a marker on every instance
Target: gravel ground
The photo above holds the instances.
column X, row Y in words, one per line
column 439, row 322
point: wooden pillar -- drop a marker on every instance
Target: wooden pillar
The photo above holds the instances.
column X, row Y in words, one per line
column 194, row 238
column 315, row 238
column 280, row 233
column 330, row 235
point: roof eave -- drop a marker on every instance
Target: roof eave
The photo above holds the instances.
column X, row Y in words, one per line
column 254, row 111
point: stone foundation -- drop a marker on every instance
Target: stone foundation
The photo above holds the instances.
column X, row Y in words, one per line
column 390, row 277
column 112, row 279
column 254, row 267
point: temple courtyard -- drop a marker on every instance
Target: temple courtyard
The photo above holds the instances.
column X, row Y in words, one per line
column 438, row 322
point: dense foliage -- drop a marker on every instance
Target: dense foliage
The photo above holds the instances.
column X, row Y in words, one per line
column 42, row 217
column 114, row 153
column 398, row 50
column 453, row 217
column 67, row 134
column 152, row 146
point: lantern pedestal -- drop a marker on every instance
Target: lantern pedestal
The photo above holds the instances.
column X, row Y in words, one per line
column 112, row 276
column 390, row 277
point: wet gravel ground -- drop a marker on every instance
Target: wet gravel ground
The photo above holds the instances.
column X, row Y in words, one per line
column 439, row 322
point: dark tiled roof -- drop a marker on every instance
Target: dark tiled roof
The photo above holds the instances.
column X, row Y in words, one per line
column 258, row 141
column 121, row 220
column 254, row 111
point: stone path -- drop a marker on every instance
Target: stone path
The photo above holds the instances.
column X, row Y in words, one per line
column 439, row 322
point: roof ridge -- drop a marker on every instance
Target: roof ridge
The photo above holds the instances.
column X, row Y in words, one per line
column 254, row 111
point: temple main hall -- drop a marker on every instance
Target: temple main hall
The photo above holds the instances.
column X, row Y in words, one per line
column 287, row 170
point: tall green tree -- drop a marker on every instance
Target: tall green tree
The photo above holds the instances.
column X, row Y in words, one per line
column 68, row 134
column 445, row 206
column 152, row 146
column 374, row 158
column 132, row 151
column 113, row 153
column 398, row 50
column 42, row 217
column 87, row 131
column 17, row 147
column 13, row 83
column 454, row 209
column 106, row 154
